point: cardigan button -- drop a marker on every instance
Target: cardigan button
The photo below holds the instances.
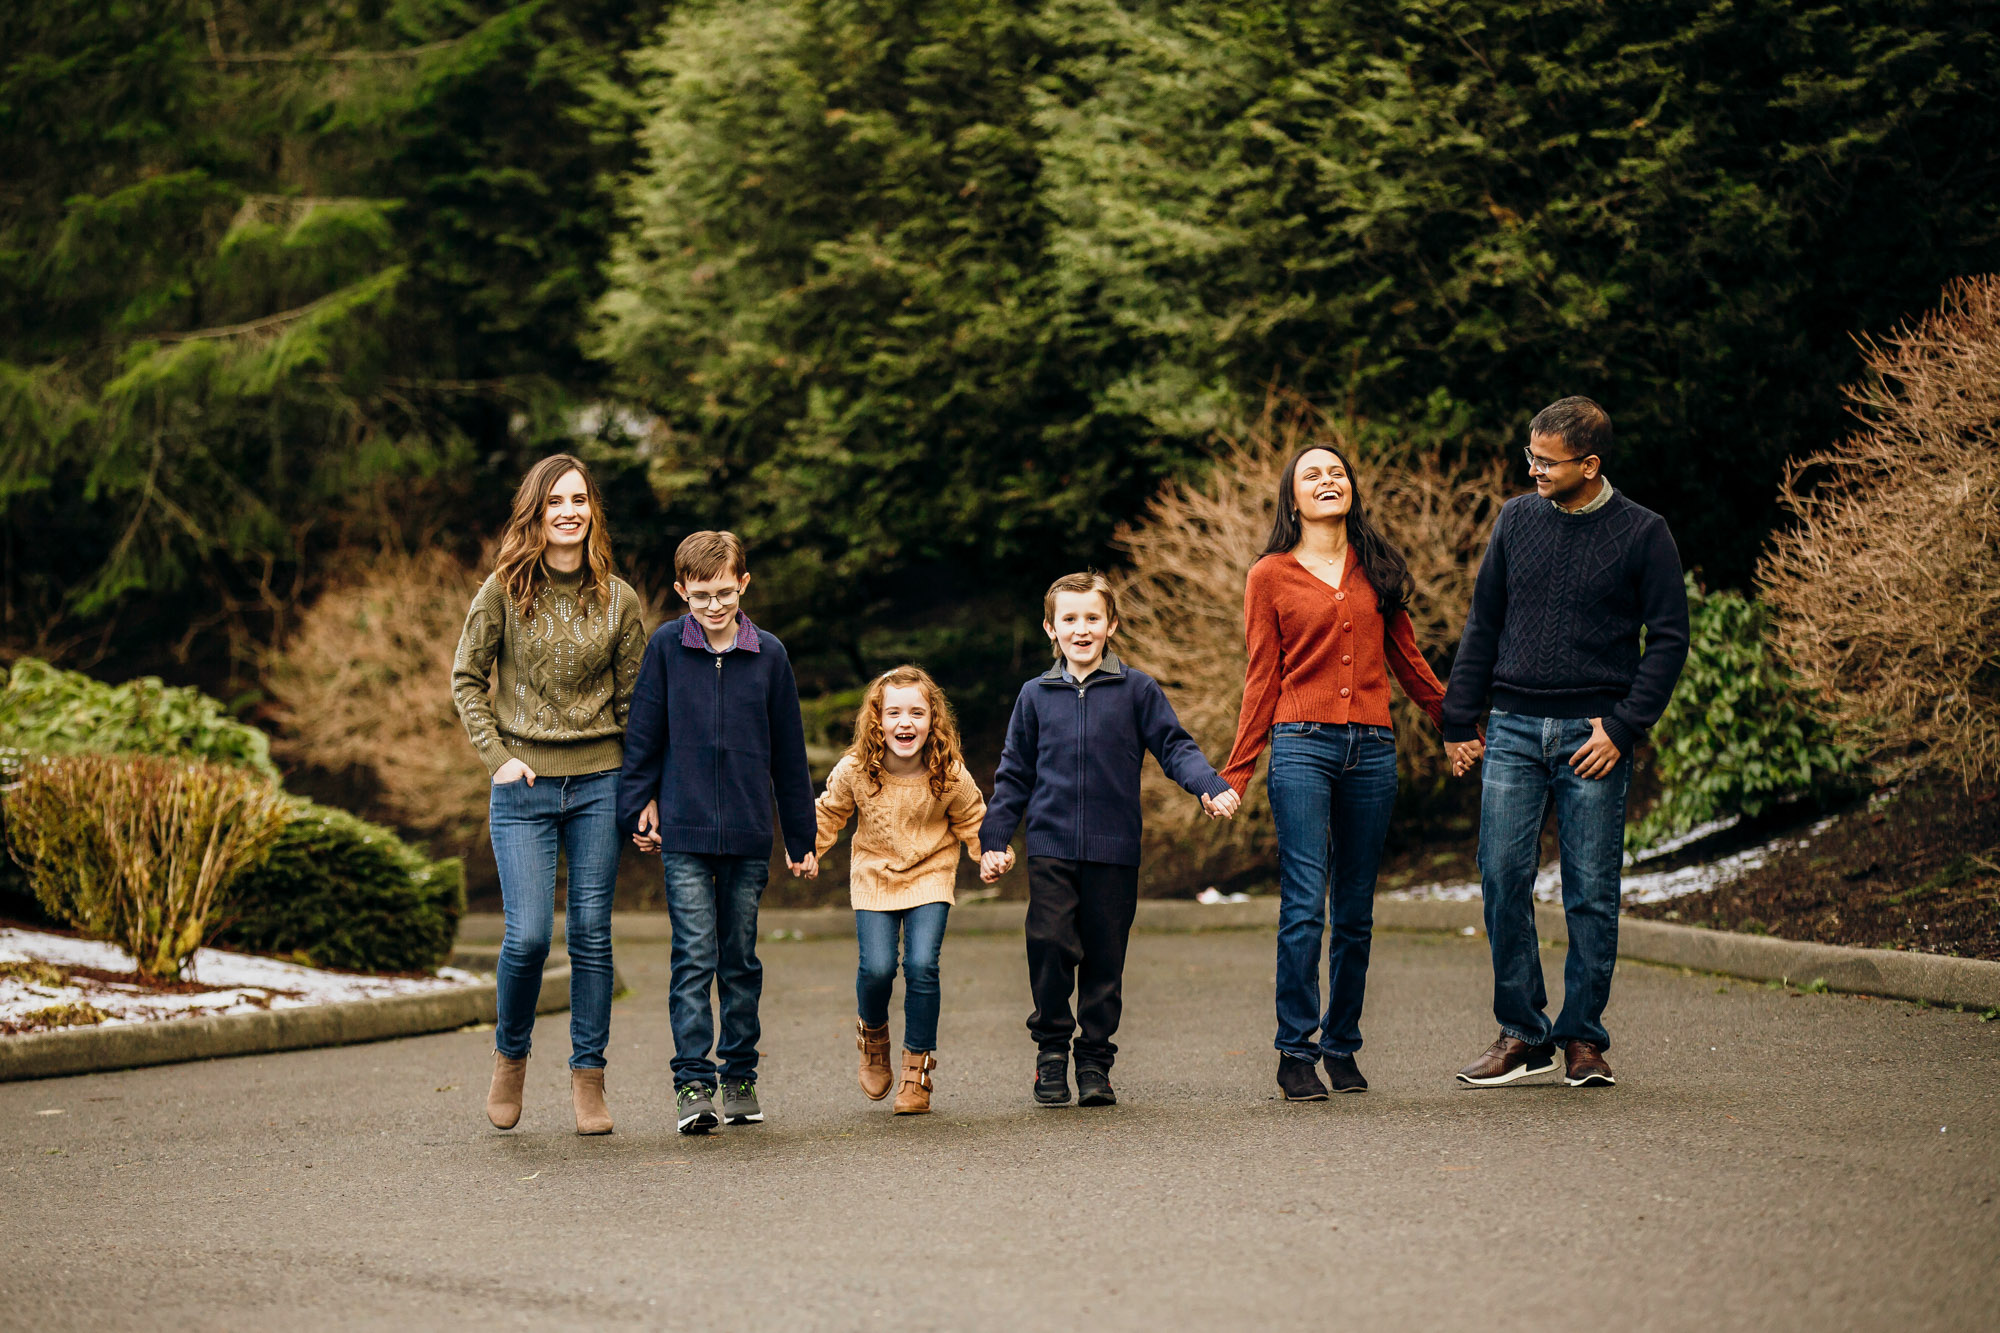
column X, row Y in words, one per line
column 1343, row 691
column 1345, row 658
column 1349, row 625
column 1339, row 596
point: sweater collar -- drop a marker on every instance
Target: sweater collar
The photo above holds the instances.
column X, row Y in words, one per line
column 746, row 635
column 1058, row 674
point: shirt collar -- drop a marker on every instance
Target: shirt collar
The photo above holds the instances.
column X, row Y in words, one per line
column 1603, row 498
column 746, row 635
column 1059, row 673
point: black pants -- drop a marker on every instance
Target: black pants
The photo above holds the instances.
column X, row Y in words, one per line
column 1079, row 918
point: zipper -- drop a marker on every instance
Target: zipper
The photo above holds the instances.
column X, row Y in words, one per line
column 1081, row 732
column 716, row 804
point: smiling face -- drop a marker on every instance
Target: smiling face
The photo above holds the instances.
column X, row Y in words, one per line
column 906, row 720
column 1081, row 628
column 713, row 602
column 1558, row 473
column 1321, row 488
column 566, row 513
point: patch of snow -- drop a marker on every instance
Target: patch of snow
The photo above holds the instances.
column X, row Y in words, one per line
column 1693, row 835
column 237, row 983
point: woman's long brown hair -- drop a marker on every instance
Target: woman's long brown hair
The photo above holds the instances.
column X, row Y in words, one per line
column 519, row 563
column 942, row 756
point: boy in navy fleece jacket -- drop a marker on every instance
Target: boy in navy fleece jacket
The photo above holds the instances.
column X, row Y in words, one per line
column 714, row 731
column 1074, row 750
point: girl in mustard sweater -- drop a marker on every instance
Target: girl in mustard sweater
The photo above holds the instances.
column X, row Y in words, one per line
column 906, row 780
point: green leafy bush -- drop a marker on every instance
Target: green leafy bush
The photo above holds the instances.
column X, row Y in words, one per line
column 138, row 849
column 1737, row 737
column 337, row 891
column 46, row 709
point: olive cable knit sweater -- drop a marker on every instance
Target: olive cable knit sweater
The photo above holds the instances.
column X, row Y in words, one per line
column 905, row 850
column 566, row 673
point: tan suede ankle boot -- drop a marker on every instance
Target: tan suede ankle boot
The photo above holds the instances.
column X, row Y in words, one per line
column 914, row 1096
column 876, row 1078
column 586, row 1091
column 503, row 1099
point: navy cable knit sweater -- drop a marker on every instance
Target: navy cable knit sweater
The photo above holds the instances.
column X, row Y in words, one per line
column 1556, row 615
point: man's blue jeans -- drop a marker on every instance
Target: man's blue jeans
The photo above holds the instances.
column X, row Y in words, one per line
column 1527, row 770
column 579, row 816
column 712, row 903
column 1332, row 790
column 922, row 929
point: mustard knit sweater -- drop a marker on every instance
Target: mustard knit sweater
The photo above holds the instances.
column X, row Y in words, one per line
column 905, row 851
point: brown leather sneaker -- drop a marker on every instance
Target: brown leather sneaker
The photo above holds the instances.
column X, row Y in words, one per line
column 1585, row 1067
column 1507, row 1059
column 876, row 1077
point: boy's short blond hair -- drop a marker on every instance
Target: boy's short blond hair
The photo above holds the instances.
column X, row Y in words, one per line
column 709, row 555
column 1088, row 581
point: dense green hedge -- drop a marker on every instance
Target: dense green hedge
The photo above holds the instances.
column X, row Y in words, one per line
column 1736, row 738
column 340, row 892
column 46, row 710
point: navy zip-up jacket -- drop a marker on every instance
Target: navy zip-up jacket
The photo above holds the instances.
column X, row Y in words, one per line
column 1072, row 762
column 711, row 736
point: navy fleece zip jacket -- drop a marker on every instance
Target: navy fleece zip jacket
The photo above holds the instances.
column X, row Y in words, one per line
column 1556, row 615
column 1072, row 761
column 711, row 737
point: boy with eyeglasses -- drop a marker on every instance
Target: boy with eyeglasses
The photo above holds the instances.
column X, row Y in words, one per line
column 714, row 731
column 1571, row 577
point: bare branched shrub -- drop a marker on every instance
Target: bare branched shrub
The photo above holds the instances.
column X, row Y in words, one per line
column 138, row 850
column 1885, row 590
column 364, row 682
column 1181, row 601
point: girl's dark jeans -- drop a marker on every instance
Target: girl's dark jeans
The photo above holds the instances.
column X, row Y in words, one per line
column 1332, row 789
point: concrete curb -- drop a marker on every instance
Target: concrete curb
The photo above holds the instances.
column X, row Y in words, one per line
column 1933, row 978
column 128, row 1046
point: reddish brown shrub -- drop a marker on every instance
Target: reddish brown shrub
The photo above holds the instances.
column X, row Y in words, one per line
column 1885, row 589
column 1181, row 598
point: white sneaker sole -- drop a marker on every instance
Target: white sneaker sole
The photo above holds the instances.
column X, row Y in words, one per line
column 756, row 1119
column 1591, row 1081
column 1524, row 1071
column 698, row 1123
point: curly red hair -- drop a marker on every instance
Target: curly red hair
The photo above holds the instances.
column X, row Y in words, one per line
column 942, row 754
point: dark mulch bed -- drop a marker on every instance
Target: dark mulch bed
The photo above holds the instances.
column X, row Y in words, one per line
column 1919, row 871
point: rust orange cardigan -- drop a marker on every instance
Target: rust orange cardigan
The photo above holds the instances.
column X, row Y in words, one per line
column 1320, row 654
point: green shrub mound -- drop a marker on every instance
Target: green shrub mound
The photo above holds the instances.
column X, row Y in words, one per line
column 47, row 710
column 337, row 891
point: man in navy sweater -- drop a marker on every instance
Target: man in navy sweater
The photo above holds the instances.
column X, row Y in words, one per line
column 714, row 732
column 1572, row 575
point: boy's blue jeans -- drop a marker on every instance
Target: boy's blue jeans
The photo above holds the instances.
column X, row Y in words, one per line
column 528, row 824
column 922, row 929
column 1527, row 770
column 712, row 903
column 1332, row 789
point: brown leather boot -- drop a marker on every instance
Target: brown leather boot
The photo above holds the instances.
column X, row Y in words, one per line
column 586, row 1092
column 503, row 1099
column 876, row 1078
column 913, row 1097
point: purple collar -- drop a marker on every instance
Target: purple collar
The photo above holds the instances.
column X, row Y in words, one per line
column 746, row 635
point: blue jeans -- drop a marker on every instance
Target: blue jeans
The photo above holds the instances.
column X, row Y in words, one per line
column 712, row 903
column 1526, row 772
column 529, row 824
column 922, row 929
column 1332, row 790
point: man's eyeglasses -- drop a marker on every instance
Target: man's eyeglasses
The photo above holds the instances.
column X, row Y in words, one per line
column 1536, row 463
column 702, row 600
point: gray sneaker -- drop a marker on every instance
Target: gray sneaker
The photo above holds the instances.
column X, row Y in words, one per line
column 696, row 1106
column 739, row 1103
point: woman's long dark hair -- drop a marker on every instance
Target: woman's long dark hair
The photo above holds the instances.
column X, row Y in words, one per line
column 1388, row 573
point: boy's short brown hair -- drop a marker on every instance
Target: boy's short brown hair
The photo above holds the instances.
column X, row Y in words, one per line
column 1088, row 581
column 709, row 555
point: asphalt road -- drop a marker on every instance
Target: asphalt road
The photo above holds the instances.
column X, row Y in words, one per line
column 1768, row 1160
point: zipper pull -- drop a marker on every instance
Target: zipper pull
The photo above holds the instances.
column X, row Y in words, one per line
column 718, row 661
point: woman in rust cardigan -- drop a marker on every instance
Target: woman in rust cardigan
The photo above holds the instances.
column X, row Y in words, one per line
column 1325, row 614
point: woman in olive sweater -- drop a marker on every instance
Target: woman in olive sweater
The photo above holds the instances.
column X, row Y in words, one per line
column 563, row 636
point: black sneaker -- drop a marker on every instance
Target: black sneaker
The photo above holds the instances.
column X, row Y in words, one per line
column 1093, row 1087
column 1052, row 1080
column 695, row 1103
column 1343, row 1075
column 1299, row 1080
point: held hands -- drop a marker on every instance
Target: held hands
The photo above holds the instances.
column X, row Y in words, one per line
column 806, row 869
column 1464, row 755
column 1224, row 806
column 513, row 771
column 1597, row 756
column 647, row 838
column 992, row 865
